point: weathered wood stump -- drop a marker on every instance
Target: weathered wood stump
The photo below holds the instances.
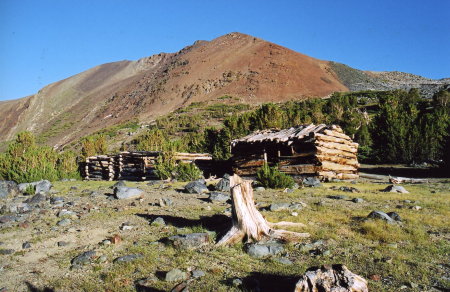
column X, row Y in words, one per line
column 248, row 223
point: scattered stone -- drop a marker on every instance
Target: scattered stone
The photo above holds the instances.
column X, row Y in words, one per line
column 196, row 187
column 237, row 282
column 417, row 208
column 64, row 222
column 62, row 243
column 127, row 193
column 116, row 239
column 219, row 197
column 66, row 213
column 392, row 245
column 176, row 275
column 159, row 221
column 198, row 273
column 326, row 252
column 6, row 251
column 349, row 189
column 394, row 216
column 380, row 215
column 338, row 197
column 295, row 214
column 286, row 206
column 102, row 259
column 413, row 285
column 283, row 261
column 73, row 188
column 8, row 189
column 260, row 189
column 127, row 258
column 56, row 200
column 36, row 199
column 331, row 278
column 126, row 226
column 147, row 282
column 288, row 190
column 407, row 201
column 120, row 183
column 8, row 218
column 189, row 241
column 165, row 202
column 43, row 187
column 375, row 277
column 83, row 258
column 106, row 242
column 357, row 200
column 19, row 208
column 26, row 245
column 260, row 250
column 223, row 185
column 396, row 189
column 311, row 182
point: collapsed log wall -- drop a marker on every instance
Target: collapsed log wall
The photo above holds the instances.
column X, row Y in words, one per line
column 321, row 150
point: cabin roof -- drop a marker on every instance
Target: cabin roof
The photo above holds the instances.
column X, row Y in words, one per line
column 281, row 136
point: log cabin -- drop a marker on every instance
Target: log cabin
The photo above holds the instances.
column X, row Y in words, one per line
column 321, row 150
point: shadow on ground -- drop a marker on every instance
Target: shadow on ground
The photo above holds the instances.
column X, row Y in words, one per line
column 262, row 282
column 32, row 288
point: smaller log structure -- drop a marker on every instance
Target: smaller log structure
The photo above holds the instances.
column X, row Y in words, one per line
column 307, row 150
column 137, row 165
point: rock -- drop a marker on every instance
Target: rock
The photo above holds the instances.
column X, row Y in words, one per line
column 19, row 208
column 311, row 182
column 106, row 242
column 26, row 245
column 55, row 200
column 223, row 185
column 62, row 243
column 64, row 222
column 416, row 208
column 219, row 197
column 338, row 197
column 295, row 214
column 120, row 183
column 396, row 189
column 375, row 277
column 36, row 199
column 260, row 250
column 198, row 273
column 66, row 213
column 189, row 241
column 165, row 202
column 83, row 258
column 260, row 189
column 176, row 275
column 196, row 187
column 331, row 278
column 102, row 259
column 127, row 193
column 380, row 215
column 8, row 189
column 349, row 189
column 127, row 258
column 159, row 221
column 73, row 188
column 126, row 226
column 357, row 200
column 237, row 282
column 42, row 186
column 7, row 251
column 394, row 216
column 8, row 218
column 407, row 201
column 283, row 261
column 286, row 206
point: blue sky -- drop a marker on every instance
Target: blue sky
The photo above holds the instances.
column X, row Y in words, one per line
column 45, row 41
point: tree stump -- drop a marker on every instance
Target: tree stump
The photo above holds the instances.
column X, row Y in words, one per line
column 248, row 223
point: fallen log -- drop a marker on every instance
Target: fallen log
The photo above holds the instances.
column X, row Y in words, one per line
column 400, row 180
column 248, row 223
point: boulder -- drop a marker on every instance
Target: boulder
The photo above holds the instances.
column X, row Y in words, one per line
column 176, row 275
column 311, row 182
column 394, row 216
column 83, row 258
column 189, row 241
column 127, row 193
column 196, row 187
column 127, row 258
column 36, row 199
column 42, row 186
column 120, row 183
column 260, row 250
column 286, row 206
column 331, row 278
column 396, row 189
column 223, row 185
column 8, row 189
column 219, row 197
column 159, row 221
column 380, row 215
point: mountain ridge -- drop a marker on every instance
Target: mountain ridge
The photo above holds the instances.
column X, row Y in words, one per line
column 248, row 68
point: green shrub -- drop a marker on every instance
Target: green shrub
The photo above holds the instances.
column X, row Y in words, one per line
column 165, row 165
column 271, row 177
column 188, row 172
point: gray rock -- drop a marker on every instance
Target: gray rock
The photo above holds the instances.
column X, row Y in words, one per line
column 64, row 222
column 338, row 197
column 349, row 189
column 8, row 189
column 286, row 206
column 198, row 273
column 102, row 259
column 189, row 241
column 42, row 186
column 26, row 245
column 19, row 208
column 396, row 189
column 159, row 221
column 357, row 200
column 36, row 199
column 55, row 200
column 196, row 187
column 127, row 258
column 165, row 202
column 176, row 275
column 236, row 282
column 127, row 193
column 260, row 189
column 380, row 215
column 83, row 258
column 311, row 182
column 394, row 216
column 8, row 218
column 283, row 261
column 219, row 197
column 407, row 201
column 223, row 185
column 6, row 251
column 120, row 183
column 258, row 250
column 62, row 243
column 66, row 213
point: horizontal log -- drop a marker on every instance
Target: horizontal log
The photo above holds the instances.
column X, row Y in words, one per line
column 332, row 152
column 340, row 160
column 298, row 169
column 337, row 128
column 327, row 165
column 338, row 146
column 347, row 176
column 336, row 134
column 301, row 154
column 250, row 163
column 399, row 180
column 326, row 138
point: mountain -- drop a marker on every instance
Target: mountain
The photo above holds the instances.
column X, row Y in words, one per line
column 247, row 68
